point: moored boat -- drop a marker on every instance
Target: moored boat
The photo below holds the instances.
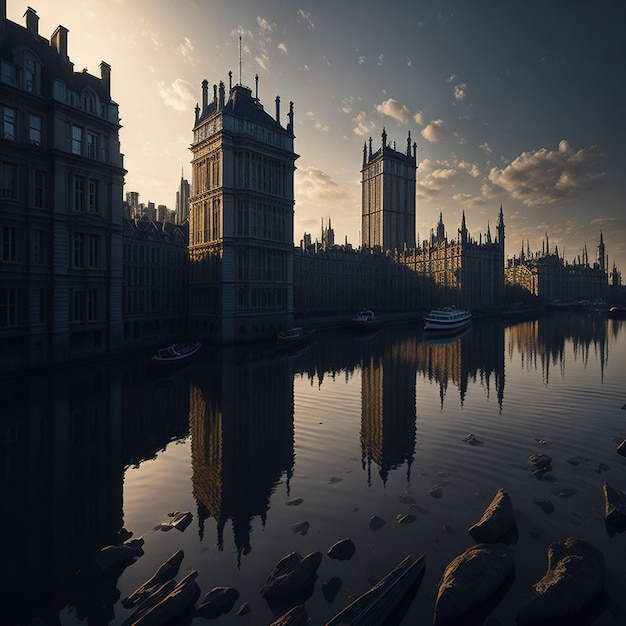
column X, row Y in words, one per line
column 176, row 354
column 365, row 320
column 375, row 605
column 447, row 318
column 296, row 336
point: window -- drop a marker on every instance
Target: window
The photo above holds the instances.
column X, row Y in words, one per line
column 79, row 193
column 8, row 307
column 9, row 181
column 79, row 250
column 77, row 140
column 77, row 305
column 92, row 145
column 9, row 244
column 30, row 74
column 92, row 305
column 93, row 251
column 34, row 129
column 8, row 116
column 8, row 73
column 39, row 188
column 92, row 199
column 40, row 247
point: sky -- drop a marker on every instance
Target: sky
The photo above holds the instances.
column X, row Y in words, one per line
column 512, row 104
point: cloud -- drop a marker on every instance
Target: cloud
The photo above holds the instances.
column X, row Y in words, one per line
column 433, row 177
column 362, row 127
column 361, row 60
column 283, row 48
column 459, row 91
column 180, row 96
column 264, row 25
column 435, row 131
column 185, row 50
column 381, row 58
column 305, row 18
column 548, row 176
column 470, row 168
column 486, row 148
column 392, row 109
column 418, row 117
column 316, row 123
column 317, row 186
column 469, row 201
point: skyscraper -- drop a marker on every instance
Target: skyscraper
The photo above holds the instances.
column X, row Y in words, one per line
column 241, row 217
column 388, row 190
column 182, row 200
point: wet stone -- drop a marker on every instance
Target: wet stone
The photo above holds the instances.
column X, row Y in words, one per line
column 376, row 523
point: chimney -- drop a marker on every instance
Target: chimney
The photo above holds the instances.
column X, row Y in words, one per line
column 59, row 41
column 220, row 104
column 32, row 21
column 105, row 77
column 3, row 18
column 278, row 109
column 205, row 94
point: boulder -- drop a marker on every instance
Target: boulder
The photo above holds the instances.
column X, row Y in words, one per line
column 218, row 601
column 343, row 550
column 497, row 520
column 470, row 579
column 376, row 523
column 614, row 506
column 621, row 447
column 331, row 587
column 540, row 464
column 166, row 572
column 295, row 617
column 119, row 555
column 292, row 574
column 574, row 578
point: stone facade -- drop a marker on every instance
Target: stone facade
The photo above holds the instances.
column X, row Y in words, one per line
column 61, row 203
column 241, row 218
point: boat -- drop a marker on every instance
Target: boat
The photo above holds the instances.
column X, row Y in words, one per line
column 617, row 312
column 176, row 354
column 296, row 336
column 374, row 606
column 365, row 320
column 447, row 318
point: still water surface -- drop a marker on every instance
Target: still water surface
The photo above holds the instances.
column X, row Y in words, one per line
column 354, row 426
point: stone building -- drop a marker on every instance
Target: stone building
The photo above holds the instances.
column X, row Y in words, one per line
column 61, row 179
column 156, row 282
column 241, row 217
column 547, row 275
column 388, row 196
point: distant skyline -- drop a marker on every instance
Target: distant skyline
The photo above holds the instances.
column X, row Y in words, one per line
column 512, row 104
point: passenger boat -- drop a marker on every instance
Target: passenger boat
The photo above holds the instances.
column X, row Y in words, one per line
column 447, row 318
column 296, row 336
column 176, row 354
column 365, row 320
column 374, row 606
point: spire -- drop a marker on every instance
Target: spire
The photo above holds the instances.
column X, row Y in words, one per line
column 364, row 153
column 384, row 138
column 408, row 144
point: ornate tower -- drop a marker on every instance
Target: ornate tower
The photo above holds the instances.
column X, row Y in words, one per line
column 388, row 180
column 241, row 218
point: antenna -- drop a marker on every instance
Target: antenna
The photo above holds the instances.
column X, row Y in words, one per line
column 240, row 60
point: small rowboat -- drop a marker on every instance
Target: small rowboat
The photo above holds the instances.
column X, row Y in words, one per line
column 176, row 354
column 374, row 606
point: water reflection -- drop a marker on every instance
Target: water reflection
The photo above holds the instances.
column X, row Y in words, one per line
column 69, row 436
column 242, row 438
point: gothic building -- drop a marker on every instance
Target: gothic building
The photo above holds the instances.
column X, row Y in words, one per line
column 241, row 217
column 388, row 191
column 62, row 175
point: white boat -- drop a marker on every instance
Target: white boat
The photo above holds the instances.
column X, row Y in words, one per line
column 294, row 337
column 365, row 320
column 176, row 354
column 447, row 318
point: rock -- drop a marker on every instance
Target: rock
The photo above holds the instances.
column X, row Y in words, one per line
column 376, row 523
column 405, row 518
column 119, row 555
column 292, row 574
column 574, row 577
column 545, row 505
column 295, row 617
column 301, row 528
column 621, row 447
column 331, row 587
column 436, row 491
column 614, row 506
column 294, row 502
column 168, row 604
column 342, row 550
column 471, row 578
column 166, row 572
column 540, row 464
column 473, row 440
column 497, row 520
column 218, row 601
column 244, row 609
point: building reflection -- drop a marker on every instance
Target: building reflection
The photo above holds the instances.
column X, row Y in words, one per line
column 242, row 438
